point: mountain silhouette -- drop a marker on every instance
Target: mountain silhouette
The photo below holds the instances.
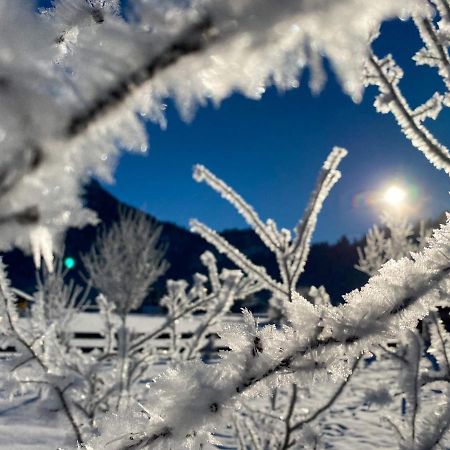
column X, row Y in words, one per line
column 331, row 265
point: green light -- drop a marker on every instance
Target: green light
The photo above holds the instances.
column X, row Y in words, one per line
column 69, row 262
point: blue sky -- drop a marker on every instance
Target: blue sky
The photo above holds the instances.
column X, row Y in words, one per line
column 271, row 150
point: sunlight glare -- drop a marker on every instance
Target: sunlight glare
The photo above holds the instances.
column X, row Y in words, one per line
column 394, row 195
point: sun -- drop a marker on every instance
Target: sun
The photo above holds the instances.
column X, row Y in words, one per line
column 394, row 196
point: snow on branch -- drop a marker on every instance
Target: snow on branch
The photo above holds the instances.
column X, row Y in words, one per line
column 386, row 75
column 226, row 288
column 291, row 254
column 435, row 52
column 201, row 173
column 223, row 246
column 190, row 41
column 314, row 341
column 328, row 177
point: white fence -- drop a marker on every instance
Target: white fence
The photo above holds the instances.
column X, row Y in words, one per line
column 87, row 327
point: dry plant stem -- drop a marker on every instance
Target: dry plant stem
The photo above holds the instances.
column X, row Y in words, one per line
column 435, row 318
column 241, row 442
column 394, row 427
column 330, row 402
column 429, row 33
column 393, row 354
column 287, row 420
column 239, row 259
column 262, row 413
column 242, row 206
column 203, row 329
column 123, row 343
column 136, row 346
column 200, row 334
column 416, row 391
column 303, row 237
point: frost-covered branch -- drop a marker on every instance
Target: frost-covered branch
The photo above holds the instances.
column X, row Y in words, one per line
column 300, row 246
column 386, row 75
column 394, row 240
column 435, row 52
column 223, row 246
column 210, row 305
column 18, row 335
column 290, row 254
column 394, row 300
column 190, row 41
column 264, row 231
column 414, row 380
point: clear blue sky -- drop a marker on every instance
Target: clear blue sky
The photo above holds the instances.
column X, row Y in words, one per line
column 271, row 150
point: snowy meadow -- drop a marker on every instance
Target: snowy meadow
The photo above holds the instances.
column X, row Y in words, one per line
column 80, row 369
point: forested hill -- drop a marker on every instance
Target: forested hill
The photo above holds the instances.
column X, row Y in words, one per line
column 330, row 265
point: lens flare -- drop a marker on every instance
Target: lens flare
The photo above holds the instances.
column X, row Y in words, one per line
column 398, row 195
column 69, row 262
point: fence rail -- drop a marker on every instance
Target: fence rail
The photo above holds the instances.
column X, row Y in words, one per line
column 87, row 327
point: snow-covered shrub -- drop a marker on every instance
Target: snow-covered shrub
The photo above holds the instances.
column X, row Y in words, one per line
column 290, row 252
column 393, row 240
column 44, row 356
column 86, row 385
column 423, row 427
column 209, row 305
column 415, row 430
column 75, row 82
column 281, row 422
column 126, row 260
column 316, row 343
column 291, row 255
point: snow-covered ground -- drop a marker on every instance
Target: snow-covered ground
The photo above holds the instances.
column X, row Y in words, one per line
column 25, row 425
column 350, row 424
